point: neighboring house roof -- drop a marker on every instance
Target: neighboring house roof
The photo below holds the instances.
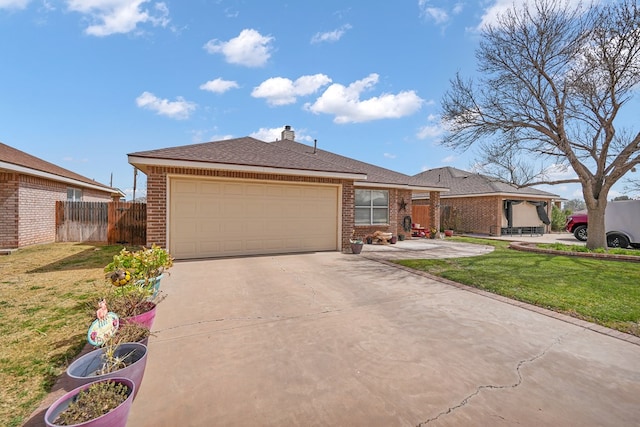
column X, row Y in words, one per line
column 463, row 183
column 375, row 174
column 18, row 161
column 240, row 154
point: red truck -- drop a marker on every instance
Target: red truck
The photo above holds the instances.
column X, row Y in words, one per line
column 621, row 222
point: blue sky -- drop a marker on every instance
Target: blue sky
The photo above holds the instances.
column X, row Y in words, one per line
column 84, row 82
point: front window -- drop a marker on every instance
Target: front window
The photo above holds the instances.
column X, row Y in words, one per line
column 372, row 207
column 74, row 194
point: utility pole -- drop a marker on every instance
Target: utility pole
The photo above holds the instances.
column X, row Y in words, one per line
column 135, row 175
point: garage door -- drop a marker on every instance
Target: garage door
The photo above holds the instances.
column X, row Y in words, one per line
column 213, row 218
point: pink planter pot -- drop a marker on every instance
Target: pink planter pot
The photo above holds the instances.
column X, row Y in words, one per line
column 116, row 418
column 145, row 319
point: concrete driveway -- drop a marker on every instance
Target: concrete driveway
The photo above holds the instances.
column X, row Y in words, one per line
column 329, row 339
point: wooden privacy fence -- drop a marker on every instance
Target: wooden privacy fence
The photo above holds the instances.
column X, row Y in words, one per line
column 111, row 222
column 127, row 223
column 420, row 215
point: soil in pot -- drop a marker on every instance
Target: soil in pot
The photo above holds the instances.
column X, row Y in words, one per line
column 89, row 368
column 103, row 403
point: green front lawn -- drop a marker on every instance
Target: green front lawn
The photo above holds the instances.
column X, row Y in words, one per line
column 605, row 292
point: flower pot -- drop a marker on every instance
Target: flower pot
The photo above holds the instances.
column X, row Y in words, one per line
column 153, row 282
column 83, row 370
column 115, row 418
column 448, row 233
column 393, row 240
column 356, row 248
column 145, row 318
column 401, row 237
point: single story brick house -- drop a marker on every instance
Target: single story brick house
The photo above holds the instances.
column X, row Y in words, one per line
column 29, row 189
column 478, row 204
column 244, row 196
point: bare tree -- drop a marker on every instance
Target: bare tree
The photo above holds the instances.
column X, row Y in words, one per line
column 553, row 79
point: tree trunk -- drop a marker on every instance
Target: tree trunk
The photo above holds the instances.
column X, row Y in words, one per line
column 596, row 235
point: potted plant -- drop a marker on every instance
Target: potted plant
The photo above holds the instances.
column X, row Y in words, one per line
column 114, row 360
column 103, row 403
column 401, row 237
column 115, row 357
column 132, row 332
column 134, row 303
column 449, row 220
column 433, row 232
column 356, row 243
column 144, row 267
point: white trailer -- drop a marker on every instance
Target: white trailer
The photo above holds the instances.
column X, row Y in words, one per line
column 622, row 223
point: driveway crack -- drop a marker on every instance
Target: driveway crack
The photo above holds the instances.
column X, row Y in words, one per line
column 481, row 388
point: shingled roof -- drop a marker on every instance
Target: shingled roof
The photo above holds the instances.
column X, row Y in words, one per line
column 463, row 183
column 18, row 161
column 375, row 174
column 238, row 152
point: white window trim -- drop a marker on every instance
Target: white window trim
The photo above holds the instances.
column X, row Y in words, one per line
column 371, row 207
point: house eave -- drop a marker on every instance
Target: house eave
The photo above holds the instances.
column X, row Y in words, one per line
column 398, row 186
column 53, row 177
column 143, row 162
column 512, row 195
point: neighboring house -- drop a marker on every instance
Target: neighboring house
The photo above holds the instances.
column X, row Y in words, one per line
column 244, row 196
column 29, row 189
column 478, row 204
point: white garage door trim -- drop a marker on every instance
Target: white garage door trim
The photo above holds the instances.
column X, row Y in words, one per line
column 216, row 217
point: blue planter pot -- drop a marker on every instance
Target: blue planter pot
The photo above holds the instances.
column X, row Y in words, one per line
column 153, row 283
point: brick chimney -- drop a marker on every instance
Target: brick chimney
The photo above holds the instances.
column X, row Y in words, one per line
column 288, row 134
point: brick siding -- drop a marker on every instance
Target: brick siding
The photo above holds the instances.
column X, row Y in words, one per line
column 478, row 215
column 157, row 197
column 27, row 208
column 8, row 210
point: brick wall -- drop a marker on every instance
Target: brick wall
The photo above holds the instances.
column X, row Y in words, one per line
column 27, row 208
column 37, row 213
column 8, row 210
column 480, row 215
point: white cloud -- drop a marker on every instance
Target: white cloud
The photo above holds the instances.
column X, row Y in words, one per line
column 330, row 36
column 250, row 48
column 179, row 109
column 119, row 16
column 274, row 134
column 436, row 14
column 449, row 159
column 431, row 130
column 267, row 134
column 14, row 4
column 389, row 155
column 283, row 91
column 499, row 7
column 219, row 85
column 346, row 105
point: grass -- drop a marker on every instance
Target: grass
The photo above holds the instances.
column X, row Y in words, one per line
column 45, row 292
column 605, row 292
